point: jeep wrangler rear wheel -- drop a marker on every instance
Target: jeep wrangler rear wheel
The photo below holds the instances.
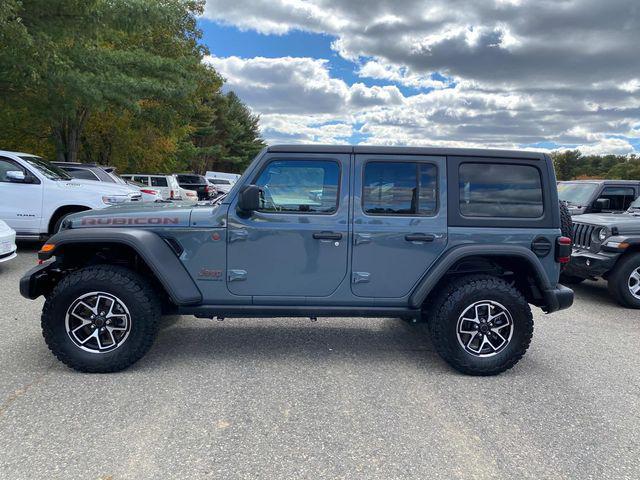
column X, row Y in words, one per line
column 624, row 281
column 100, row 319
column 481, row 325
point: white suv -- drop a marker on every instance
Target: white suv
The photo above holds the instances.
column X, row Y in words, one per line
column 167, row 185
column 36, row 195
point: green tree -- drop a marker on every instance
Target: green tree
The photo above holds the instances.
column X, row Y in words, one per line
column 96, row 56
column 565, row 163
column 226, row 135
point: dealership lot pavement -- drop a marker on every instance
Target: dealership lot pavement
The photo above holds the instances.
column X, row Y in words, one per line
column 339, row 398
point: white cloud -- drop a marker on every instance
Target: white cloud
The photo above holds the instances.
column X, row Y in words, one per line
column 516, row 72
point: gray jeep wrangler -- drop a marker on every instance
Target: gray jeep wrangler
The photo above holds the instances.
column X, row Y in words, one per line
column 608, row 246
column 463, row 240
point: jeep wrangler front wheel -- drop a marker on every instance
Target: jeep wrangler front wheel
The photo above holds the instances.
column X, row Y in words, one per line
column 100, row 319
column 481, row 325
column 624, row 281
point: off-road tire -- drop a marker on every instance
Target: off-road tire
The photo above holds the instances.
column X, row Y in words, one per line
column 619, row 278
column 566, row 224
column 566, row 229
column 451, row 302
column 570, row 279
column 138, row 296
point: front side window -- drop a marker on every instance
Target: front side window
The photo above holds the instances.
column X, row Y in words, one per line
column 620, row 198
column 7, row 165
column 399, row 188
column 500, row 190
column 308, row 186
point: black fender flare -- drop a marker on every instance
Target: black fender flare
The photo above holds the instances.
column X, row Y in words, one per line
column 153, row 250
column 434, row 274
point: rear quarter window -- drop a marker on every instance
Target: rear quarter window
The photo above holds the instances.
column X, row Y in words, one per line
column 500, row 190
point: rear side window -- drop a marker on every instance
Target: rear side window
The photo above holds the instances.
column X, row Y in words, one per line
column 399, row 188
column 191, row 179
column 140, row 179
column 159, row 182
column 500, row 190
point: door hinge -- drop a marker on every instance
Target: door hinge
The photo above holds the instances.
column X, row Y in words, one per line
column 361, row 238
column 360, row 277
column 237, row 235
column 237, row 275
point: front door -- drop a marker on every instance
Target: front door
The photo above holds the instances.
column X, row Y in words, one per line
column 400, row 222
column 296, row 244
column 21, row 204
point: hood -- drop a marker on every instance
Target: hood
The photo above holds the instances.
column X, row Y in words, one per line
column 105, row 188
column 625, row 222
column 148, row 214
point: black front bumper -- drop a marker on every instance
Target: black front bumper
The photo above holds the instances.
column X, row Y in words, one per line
column 36, row 281
column 586, row 264
column 558, row 298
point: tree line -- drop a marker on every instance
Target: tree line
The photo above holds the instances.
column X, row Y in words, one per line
column 571, row 165
column 118, row 82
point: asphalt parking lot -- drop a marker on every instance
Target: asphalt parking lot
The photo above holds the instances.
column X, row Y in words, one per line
column 338, row 398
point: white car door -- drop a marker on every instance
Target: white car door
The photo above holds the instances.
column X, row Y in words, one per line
column 21, row 202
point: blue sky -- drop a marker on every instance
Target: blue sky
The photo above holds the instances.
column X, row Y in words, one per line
column 501, row 73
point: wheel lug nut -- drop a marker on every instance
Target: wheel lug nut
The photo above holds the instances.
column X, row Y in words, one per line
column 102, row 329
column 93, row 326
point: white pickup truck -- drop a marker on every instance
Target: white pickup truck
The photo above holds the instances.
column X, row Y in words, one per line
column 36, row 196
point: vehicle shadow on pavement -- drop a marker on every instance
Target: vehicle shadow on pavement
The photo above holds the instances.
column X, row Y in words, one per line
column 386, row 340
column 595, row 291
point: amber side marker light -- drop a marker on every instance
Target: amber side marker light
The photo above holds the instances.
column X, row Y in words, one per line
column 47, row 247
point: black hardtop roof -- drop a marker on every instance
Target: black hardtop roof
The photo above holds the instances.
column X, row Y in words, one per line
column 385, row 150
column 599, row 181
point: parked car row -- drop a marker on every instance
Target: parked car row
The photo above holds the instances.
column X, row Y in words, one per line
column 606, row 235
column 38, row 195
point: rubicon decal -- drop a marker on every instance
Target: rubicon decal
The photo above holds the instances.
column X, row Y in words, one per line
column 130, row 221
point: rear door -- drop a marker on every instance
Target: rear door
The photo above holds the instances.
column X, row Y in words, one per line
column 399, row 222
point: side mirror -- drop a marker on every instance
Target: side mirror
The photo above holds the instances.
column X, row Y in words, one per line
column 601, row 204
column 16, row 176
column 249, row 199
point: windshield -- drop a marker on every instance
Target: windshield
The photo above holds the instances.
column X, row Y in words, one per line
column 52, row 172
column 116, row 178
column 218, row 181
column 577, row 194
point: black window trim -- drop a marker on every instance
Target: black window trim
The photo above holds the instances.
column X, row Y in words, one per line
column 549, row 219
column 301, row 158
column 418, row 162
